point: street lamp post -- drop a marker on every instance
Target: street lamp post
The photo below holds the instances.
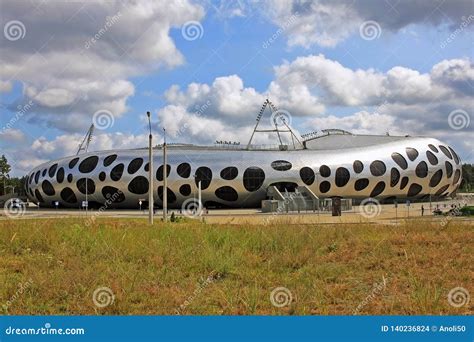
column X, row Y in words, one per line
column 199, row 198
column 431, row 189
column 150, row 173
column 87, row 199
column 199, row 210
column 317, row 183
column 165, row 179
column 396, row 210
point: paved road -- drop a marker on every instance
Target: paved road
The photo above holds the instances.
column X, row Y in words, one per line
column 359, row 214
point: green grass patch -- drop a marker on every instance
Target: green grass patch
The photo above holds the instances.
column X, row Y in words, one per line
column 467, row 211
column 53, row 266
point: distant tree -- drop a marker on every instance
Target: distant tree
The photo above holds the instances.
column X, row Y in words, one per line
column 467, row 184
column 18, row 184
column 5, row 169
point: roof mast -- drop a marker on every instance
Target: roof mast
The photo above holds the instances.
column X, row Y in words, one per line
column 85, row 142
column 278, row 131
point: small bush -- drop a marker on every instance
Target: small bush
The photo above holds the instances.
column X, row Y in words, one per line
column 467, row 211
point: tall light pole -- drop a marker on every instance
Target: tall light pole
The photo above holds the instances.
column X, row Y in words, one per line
column 317, row 184
column 86, row 141
column 150, row 173
column 429, row 180
column 165, row 180
column 87, row 200
column 199, row 198
column 199, row 210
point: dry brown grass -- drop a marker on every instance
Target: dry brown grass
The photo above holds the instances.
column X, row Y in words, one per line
column 328, row 269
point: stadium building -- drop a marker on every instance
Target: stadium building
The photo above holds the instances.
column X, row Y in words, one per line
column 328, row 164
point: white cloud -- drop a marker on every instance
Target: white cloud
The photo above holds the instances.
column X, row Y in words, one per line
column 456, row 73
column 327, row 23
column 328, row 82
column 225, row 9
column 53, row 97
column 321, row 23
column 5, row 86
column 23, row 158
column 12, row 135
column 358, row 123
column 66, row 145
column 229, row 97
column 197, row 127
column 400, row 101
column 340, row 85
column 76, row 57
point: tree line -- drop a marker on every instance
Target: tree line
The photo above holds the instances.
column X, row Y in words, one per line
column 10, row 184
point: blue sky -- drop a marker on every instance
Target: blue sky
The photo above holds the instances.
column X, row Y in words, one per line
column 341, row 80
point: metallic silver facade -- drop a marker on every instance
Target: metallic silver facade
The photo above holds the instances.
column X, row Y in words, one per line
column 338, row 151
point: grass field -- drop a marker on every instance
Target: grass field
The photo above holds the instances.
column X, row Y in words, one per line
column 54, row 266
